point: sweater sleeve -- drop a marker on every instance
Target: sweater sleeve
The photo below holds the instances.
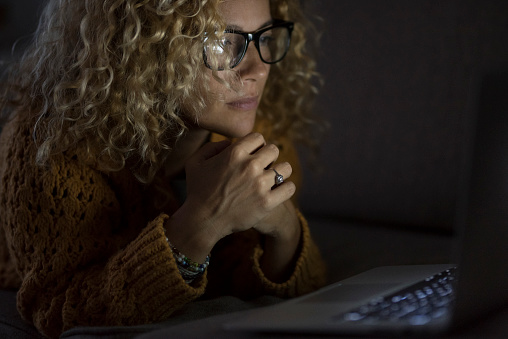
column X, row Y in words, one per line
column 309, row 272
column 78, row 262
column 235, row 267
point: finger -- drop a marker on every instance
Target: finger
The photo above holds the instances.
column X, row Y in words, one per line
column 278, row 172
column 210, row 150
column 283, row 191
column 283, row 169
column 251, row 143
column 267, row 155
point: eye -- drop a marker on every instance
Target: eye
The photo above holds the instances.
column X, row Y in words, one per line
column 226, row 42
column 266, row 39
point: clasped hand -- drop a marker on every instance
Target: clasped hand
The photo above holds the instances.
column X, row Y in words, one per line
column 231, row 187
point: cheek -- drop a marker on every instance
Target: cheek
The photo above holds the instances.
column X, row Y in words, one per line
column 208, row 90
column 226, row 84
column 215, row 89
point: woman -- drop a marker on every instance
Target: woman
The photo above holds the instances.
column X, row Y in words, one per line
column 123, row 197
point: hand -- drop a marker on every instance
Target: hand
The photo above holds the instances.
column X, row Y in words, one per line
column 230, row 185
column 229, row 189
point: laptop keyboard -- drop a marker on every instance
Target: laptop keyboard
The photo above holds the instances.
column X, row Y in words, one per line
column 417, row 304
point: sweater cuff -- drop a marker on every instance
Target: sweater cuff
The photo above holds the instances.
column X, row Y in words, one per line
column 309, row 271
column 153, row 273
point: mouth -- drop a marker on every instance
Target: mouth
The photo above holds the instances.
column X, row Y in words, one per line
column 244, row 104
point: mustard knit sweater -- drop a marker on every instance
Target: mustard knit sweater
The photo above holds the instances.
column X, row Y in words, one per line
column 85, row 248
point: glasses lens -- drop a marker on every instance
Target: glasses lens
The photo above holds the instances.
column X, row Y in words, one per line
column 225, row 52
column 274, row 44
column 228, row 50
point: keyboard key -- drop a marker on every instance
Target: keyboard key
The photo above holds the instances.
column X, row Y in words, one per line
column 417, row 304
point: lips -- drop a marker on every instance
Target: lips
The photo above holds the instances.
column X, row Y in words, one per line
column 244, row 104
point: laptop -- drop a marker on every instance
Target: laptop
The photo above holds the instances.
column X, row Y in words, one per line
column 426, row 299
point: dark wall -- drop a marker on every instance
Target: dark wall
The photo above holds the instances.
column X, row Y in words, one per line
column 399, row 77
column 18, row 20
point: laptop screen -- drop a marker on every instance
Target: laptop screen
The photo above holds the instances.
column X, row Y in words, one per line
column 483, row 209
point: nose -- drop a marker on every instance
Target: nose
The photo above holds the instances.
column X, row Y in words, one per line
column 252, row 67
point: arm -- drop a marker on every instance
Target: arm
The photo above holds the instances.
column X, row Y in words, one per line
column 236, row 267
column 280, row 249
column 81, row 261
column 308, row 272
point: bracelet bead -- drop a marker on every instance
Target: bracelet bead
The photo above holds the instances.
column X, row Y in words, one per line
column 189, row 269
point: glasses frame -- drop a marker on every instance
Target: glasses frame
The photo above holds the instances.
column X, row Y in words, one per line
column 254, row 36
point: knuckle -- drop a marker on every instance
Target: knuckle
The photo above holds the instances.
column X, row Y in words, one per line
column 236, row 154
column 258, row 184
column 265, row 202
column 254, row 167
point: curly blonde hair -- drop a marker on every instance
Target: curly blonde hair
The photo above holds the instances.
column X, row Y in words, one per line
column 113, row 76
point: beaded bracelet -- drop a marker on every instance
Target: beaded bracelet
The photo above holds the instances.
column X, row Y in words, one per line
column 189, row 270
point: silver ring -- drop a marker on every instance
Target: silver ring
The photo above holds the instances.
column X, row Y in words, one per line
column 279, row 179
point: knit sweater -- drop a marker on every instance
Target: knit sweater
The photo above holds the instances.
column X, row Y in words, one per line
column 87, row 248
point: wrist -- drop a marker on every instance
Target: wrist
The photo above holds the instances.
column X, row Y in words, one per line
column 285, row 227
column 281, row 250
column 286, row 236
column 189, row 270
column 190, row 234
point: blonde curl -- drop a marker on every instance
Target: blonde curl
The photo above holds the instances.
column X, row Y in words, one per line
column 112, row 77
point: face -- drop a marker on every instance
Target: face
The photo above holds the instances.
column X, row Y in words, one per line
column 232, row 112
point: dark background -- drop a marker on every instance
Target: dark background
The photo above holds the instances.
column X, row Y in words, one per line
column 400, row 80
column 400, row 83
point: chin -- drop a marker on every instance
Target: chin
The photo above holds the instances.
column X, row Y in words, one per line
column 234, row 134
column 243, row 131
column 238, row 130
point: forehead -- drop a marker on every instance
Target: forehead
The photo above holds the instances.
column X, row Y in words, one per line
column 249, row 15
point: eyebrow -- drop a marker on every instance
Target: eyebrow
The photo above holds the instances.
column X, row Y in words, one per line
column 236, row 28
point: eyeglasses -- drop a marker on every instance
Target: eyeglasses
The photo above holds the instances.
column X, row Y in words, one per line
column 272, row 43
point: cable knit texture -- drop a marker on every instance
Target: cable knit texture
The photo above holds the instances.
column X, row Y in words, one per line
column 86, row 248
